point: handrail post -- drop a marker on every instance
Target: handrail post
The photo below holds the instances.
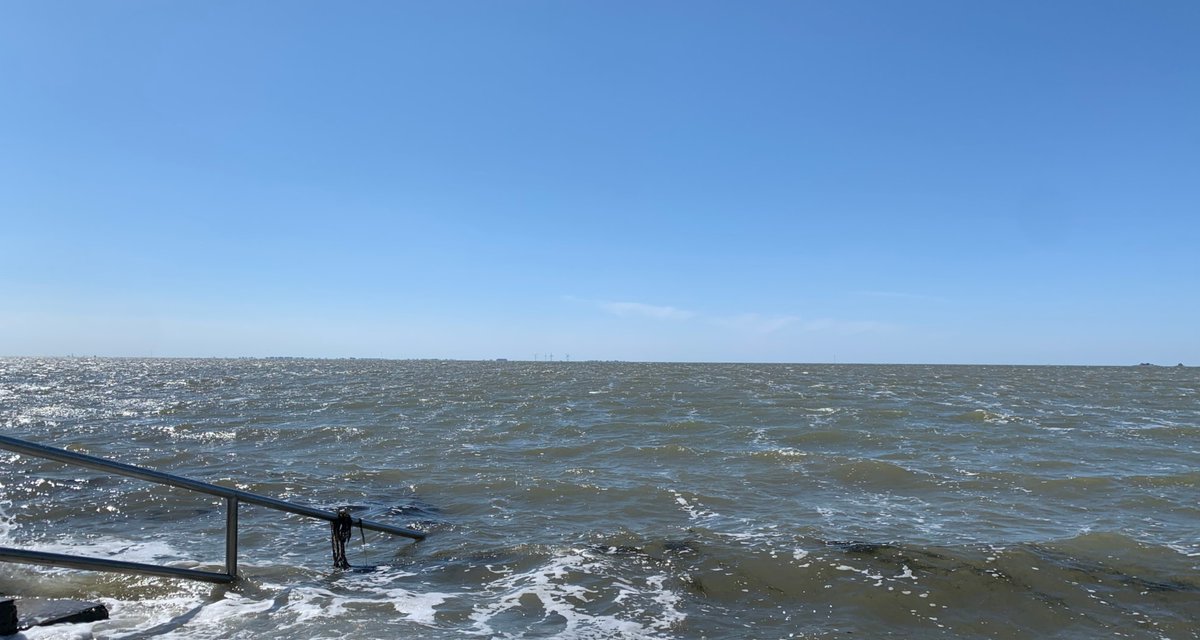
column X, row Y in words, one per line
column 231, row 533
column 233, row 497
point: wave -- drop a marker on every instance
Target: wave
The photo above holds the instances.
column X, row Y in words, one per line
column 781, row 454
column 1075, row 486
column 986, row 416
column 1188, row 479
column 880, row 475
column 1086, row 584
column 697, row 583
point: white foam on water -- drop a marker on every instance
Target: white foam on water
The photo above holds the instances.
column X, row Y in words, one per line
column 668, row 600
column 213, row 620
column 305, row 604
column 1190, row 552
column 519, row 602
column 994, row 415
column 694, row 512
column 58, row 632
column 282, row 608
column 209, row 436
column 866, row 572
column 301, row 609
column 418, row 607
column 551, row 593
column 134, row 618
column 7, row 523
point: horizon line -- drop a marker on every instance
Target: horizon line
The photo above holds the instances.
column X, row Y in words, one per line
column 584, row 361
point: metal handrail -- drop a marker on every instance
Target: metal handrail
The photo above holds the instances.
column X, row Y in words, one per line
column 232, row 498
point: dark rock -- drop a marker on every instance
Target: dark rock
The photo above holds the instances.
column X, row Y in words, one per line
column 8, row 616
column 36, row 612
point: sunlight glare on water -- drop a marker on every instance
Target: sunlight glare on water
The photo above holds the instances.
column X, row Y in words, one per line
column 598, row 500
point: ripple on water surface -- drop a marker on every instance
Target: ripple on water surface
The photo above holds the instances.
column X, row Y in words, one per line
column 589, row 500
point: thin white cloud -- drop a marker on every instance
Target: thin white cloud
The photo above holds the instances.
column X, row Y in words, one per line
column 745, row 322
column 638, row 309
column 756, row 323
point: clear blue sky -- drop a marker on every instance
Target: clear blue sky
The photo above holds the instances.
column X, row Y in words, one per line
column 851, row 181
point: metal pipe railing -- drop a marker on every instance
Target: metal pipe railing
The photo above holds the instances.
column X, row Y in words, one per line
column 8, row 554
column 233, row 497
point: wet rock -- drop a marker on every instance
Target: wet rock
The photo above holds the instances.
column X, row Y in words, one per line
column 38, row 612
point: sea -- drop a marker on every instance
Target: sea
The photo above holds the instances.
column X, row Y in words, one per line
column 616, row 499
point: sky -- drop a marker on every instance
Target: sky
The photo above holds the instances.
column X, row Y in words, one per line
column 1009, row 182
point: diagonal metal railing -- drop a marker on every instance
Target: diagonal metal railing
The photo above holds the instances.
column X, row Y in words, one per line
column 233, row 497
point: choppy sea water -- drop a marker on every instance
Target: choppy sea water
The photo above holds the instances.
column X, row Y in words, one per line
column 619, row 500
